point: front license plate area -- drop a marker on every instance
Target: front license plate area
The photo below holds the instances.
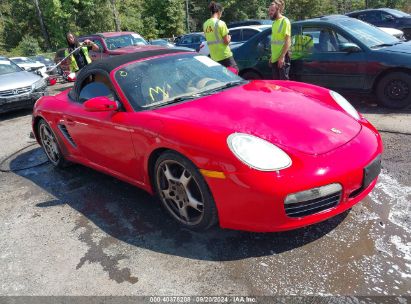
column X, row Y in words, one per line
column 371, row 172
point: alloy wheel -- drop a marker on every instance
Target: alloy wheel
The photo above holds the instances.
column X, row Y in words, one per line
column 180, row 192
column 49, row 143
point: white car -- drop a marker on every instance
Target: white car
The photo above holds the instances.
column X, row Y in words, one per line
column 30, row 65
column 238, row 35
column 395, row 32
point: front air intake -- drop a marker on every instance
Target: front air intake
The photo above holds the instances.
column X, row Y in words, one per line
column 313, row 201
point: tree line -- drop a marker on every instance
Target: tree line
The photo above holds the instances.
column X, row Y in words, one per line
column 41, row 25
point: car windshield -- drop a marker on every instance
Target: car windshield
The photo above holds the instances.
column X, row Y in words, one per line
column 124, row 41
column 397, row 13
column 370, row 35
column 23, row 60
column 159, row 42
column 42, row 59
column 7, row 67
column 161, row 81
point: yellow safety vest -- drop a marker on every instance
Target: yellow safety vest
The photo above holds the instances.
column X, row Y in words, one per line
column 280, row 29
column 73, row 64
column 214, row 31
column 302, row 46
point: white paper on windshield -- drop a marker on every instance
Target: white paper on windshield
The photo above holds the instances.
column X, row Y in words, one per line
column 136, row 35
column 5, row 62
column 207, row 61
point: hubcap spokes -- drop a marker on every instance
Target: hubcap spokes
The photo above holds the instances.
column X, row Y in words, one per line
column 180, row 192
column 397, row 90
column 49, row 144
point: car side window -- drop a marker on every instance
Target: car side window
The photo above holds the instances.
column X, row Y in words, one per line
column 187, row 40
column 324, row 39
column 96, row 85
column 386, row 17
column 248, row 33
column 235, row 35
column 373, row 17
column 196, row 39
column 98, row 42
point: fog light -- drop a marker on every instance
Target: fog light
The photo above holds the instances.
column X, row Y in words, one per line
column 312, row 194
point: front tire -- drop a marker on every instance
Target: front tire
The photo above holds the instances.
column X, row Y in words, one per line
column 183, row 192
column 50, row 145
column 394, row 90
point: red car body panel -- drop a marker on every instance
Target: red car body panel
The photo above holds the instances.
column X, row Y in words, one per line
column 121, row 143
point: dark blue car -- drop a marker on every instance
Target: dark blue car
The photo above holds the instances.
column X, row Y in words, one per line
column 386, row 17
column 192, row 41
column 339, row 53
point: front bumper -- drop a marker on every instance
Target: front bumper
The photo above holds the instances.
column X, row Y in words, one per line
column 254, row 200
column 21, row 101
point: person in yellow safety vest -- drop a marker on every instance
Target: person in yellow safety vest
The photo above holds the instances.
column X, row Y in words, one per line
column 80, row 58
column 218, row 38
column 302, row 46
column 280, row 41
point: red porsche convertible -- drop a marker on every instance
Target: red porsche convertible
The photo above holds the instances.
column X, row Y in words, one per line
column 249, row 155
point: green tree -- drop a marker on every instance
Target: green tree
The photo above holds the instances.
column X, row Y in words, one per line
column 28, row 46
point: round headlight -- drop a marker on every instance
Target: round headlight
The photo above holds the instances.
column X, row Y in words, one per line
column 343, row 103
column 258, row 153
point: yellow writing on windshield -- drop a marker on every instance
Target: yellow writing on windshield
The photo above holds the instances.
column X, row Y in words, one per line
column 158, row 90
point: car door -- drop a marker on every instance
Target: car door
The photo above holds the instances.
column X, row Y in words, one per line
column 102, row 138
column 260, row 52
column 329, row 61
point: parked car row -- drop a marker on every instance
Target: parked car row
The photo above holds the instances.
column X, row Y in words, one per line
column 345, row 54
column 386, row 17
column 19, row 88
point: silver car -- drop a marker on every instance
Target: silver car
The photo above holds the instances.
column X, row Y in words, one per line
column 18, row 89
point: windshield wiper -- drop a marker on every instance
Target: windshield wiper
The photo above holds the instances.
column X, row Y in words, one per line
column 385, row 44
column 225, row 86
column 174, row 100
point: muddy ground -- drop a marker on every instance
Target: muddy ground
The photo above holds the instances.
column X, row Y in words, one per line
column 80, row 232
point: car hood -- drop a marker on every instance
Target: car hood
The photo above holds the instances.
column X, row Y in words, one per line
column 17, row 80
column 404, row 47
column 134, row 48
column 277, row 114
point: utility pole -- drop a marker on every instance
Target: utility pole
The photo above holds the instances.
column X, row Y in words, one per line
column 187, row 25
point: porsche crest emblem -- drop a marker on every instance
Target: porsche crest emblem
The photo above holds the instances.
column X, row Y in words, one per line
column 336, row 131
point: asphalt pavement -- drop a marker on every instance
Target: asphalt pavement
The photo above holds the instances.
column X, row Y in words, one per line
column 79, row 232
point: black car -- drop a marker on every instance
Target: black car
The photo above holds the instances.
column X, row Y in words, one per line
column 385, row 17
column 340, row 53
column 250, row 22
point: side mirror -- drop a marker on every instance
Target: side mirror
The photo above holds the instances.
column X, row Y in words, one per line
column 350, row 47
column 101, row 104
column 261, row 48
column 389, row 18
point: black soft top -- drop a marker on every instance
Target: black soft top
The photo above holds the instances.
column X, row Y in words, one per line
column 109, row 64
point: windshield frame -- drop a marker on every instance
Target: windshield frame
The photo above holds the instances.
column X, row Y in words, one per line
column 156, row 105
